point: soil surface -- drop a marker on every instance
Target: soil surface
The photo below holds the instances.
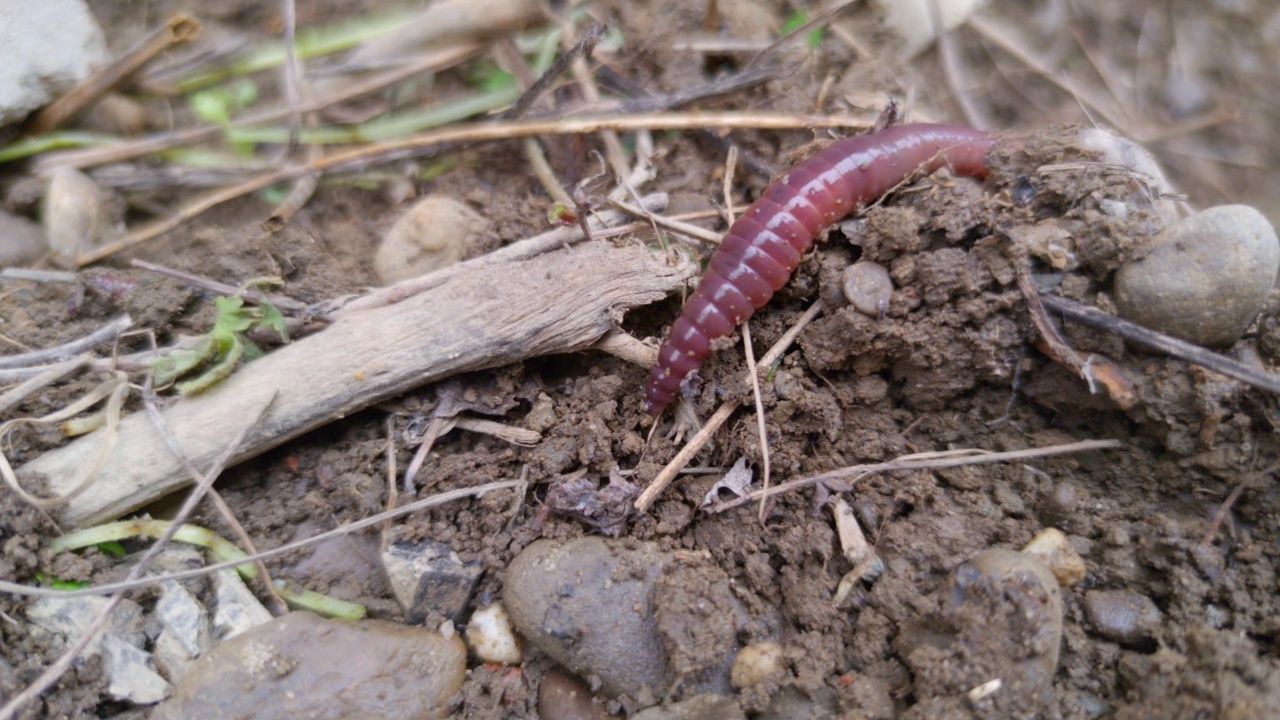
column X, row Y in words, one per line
column 953, row 361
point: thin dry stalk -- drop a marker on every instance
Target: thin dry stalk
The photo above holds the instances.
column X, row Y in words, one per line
column 1093, row 370
column 760, row 425
column 921, row 461
column 675, row 226
column 721, row 415
column 110, row 331
column 46, row 377
column 469, row 133
column 436, row 60
column 180, row 28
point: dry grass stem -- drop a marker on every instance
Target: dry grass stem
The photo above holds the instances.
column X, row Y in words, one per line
column 923, row 461
column 440, row 59
column 110, row 331
column 467, row 133
column 675, row 226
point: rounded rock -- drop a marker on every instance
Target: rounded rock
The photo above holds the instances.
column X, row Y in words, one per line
column 1206, row 278
column 868, row 287
column 588, row 603
column 564, row 697
column 1122, row 616
column 756, row 663
column 433, row 234
column 303, row 665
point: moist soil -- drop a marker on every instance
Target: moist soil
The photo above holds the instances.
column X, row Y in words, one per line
column 954, row 361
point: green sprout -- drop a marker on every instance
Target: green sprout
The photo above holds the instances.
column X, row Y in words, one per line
column 794, row 23
column 221, row 548
column 216, row 355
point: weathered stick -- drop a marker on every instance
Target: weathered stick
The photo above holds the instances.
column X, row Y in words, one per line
column 485, row 317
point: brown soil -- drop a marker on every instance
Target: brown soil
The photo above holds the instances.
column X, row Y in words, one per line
column 952, row 364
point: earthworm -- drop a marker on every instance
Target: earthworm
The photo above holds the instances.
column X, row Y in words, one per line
column 764, row 246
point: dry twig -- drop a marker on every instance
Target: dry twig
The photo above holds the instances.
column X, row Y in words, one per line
column 713, row 424
column 921, row 461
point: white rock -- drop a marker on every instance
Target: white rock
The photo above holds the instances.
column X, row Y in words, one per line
column 49, row 47
column 490, row 637
column 237, row 609
column 913, row 20
column 756, row 663
column 184, row 616
column 132, row 677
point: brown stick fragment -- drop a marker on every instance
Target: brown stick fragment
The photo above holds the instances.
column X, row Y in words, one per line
column 483, row 317
column 1094, row 369
column 180, row 28
column 1170, row 346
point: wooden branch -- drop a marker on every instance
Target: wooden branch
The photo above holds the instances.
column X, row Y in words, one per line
column 485, row 317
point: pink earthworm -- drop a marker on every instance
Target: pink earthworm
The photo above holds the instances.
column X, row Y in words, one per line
column 762, row 249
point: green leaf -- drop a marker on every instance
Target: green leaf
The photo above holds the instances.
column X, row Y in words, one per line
column 795, row 22
column 112, row 548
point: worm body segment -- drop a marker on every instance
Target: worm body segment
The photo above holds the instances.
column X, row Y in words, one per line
column 762, row 249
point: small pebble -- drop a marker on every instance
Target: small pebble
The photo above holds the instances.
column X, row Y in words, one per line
column 1122, row 616
column 588, row 603
column 490, row 637
column 1206, row 278
column 1053, row 549
column 21, row 241
column 305, row 666
column 868, row 288
column 562, row 696
column 433, row 234
column 79, row 216
column 755, row 663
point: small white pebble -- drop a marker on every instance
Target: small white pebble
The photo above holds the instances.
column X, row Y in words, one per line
column 490, row 637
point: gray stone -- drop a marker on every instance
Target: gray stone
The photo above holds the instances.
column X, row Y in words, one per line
column 49, row 47
column 588, row 603
column 21, row 241
column 1122, row 616
column 71, row 617
column 868, row 288
column 305, row 666
column 428, row 576
column 1206, row 277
